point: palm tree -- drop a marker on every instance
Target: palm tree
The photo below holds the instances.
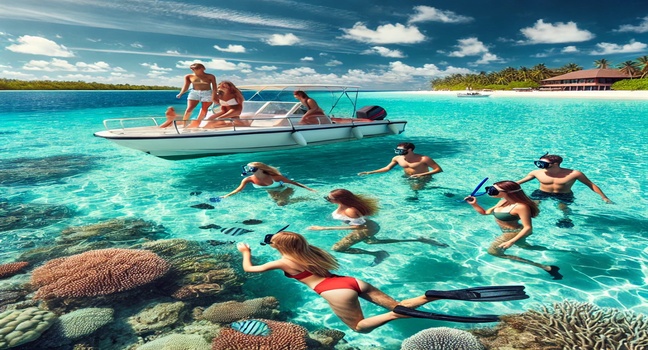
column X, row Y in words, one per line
column 570, row 67
column 630, row 68
column 540, row 72
column 602, row 63
column 643, row 61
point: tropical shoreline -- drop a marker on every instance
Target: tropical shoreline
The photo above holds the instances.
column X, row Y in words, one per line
column 601, row 95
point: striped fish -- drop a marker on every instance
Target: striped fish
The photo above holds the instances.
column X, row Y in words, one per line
column 251, row 327
column 234, row 231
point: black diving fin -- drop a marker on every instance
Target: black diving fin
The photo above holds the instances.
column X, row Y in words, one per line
column 489, row 293
column 402, row 310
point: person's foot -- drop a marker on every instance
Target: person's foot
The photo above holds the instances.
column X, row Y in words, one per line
column 564, row 223
column 431, row 242
column 379, row 257
column 554, row 272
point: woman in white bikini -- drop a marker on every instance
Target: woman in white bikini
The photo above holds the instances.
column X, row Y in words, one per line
column 231, row 101
column 353, row 209
column 265, row 177
column 513, row 214
column 314, row 114
column 203, row 91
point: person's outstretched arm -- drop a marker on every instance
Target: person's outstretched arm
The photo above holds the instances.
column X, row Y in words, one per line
column 289, row 181
column 384, row 169
column 246, row 252
column 582, row 178
column 527, row 178
column 244, row 182
column 478, row 208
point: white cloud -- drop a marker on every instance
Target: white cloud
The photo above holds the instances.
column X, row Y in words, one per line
column 36, row 45
column 282, row 40
column 156, row 68
column 609, row 48
column 173, row 52
column 266, row 68
column 431, row 14
column 641, row 28
column 306, row 58
column 569, row 49
column 333, row 63
column 57, row 64
column 384, row 52
column 385, row 34
column 555, row 33
column 231, row 48
column 11, row 74
column 137, row 45
column 487, row 58
column 215, row 64
column 469, row 47
column 300, row 71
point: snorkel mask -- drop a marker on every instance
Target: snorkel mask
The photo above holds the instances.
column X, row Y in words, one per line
column 400, row 151
column 248, row 170
column 268, row 238
column 541, row 163
column 492, row 191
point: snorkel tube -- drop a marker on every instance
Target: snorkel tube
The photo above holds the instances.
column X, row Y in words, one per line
column 474, row 192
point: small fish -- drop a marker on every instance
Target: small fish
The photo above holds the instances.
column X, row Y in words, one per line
column 203, row 206
column 252, row 222
column 210, row 226
column 235, row 231
column 251, row 327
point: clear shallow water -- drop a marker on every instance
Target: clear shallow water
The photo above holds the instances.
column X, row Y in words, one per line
column 603, row 258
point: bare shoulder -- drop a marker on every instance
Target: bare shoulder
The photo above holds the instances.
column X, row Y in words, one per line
column 352, row 212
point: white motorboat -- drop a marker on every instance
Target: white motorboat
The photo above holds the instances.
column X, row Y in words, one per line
column 472, row 94
column 269, row 125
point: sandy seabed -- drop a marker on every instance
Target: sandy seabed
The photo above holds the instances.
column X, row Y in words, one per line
column 612, row 95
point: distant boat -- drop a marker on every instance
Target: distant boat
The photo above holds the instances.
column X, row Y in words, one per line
column 472, row 94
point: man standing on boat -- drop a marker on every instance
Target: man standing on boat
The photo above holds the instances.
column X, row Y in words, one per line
column 417, row 167
column 203, row 91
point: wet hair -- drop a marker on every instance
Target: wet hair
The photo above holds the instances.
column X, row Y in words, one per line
column 300, row 94
column 406, row 145
column 517, row 195
column 296, row 248
column 552, row 158
column 239, row 95
column 197, row 65
column 270, row 170
column 367, row 206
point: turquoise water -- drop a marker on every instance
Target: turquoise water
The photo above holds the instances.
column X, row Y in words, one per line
column 604, row 258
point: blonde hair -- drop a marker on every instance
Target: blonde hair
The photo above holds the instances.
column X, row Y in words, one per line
column 295, row 247
column 367, row 206
column 270, row 170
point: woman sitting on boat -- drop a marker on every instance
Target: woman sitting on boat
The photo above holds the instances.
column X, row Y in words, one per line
column 314, row 114
column 265, row 177
column 231, row 101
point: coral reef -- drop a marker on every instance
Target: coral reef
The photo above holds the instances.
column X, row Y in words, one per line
column 34, row 171
column 283, row 335
column 23, row 326
column 177, row 342
column 75, row 325
column 569, row 325
column 112, row 230
column 10, row 269
column 442, row 338
column 195, row 291
column 97, row 272
column 19, row 216
column 327, row 338
column 231, row 311
column 157, row 317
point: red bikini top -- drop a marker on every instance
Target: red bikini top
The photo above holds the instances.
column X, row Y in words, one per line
column 300, row 276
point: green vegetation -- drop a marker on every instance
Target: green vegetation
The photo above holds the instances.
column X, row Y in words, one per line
column 510, row 78
column 12, row 84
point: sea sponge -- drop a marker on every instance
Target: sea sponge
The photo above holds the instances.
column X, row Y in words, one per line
column 113, row 230
column 10, row 269
column 283, row 335
column 573, row 325
column 23, row 326
column 442, row 338
column 97, row 272
column 177, row 342
column 231, row 311
column 75, row 325
column 157, row 317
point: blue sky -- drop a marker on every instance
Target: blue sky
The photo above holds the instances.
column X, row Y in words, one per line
column 375, row 44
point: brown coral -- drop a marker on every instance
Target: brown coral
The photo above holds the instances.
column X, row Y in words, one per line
column 283, row 335
column 8, row 270
column 97, row 272
column 231, row 311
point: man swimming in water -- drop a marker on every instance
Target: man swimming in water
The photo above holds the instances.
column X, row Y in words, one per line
column 556, row 183
column 417, row 167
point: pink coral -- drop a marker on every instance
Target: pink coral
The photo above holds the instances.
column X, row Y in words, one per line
column 97, row 272
column 283, row 335
column 8, row 270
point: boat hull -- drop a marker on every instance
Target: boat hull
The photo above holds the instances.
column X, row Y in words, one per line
column 195, row 143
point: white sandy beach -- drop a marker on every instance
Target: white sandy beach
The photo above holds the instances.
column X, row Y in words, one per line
column 612, row 95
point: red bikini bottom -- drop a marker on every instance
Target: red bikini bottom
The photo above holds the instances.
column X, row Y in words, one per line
column 337, row 282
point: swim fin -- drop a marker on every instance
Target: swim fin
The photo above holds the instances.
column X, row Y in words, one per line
column 489, row 293
column 465, row 319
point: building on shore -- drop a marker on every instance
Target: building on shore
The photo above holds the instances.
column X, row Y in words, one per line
column 584, row 80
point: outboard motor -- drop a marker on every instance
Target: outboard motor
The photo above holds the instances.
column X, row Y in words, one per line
column 371, row 112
